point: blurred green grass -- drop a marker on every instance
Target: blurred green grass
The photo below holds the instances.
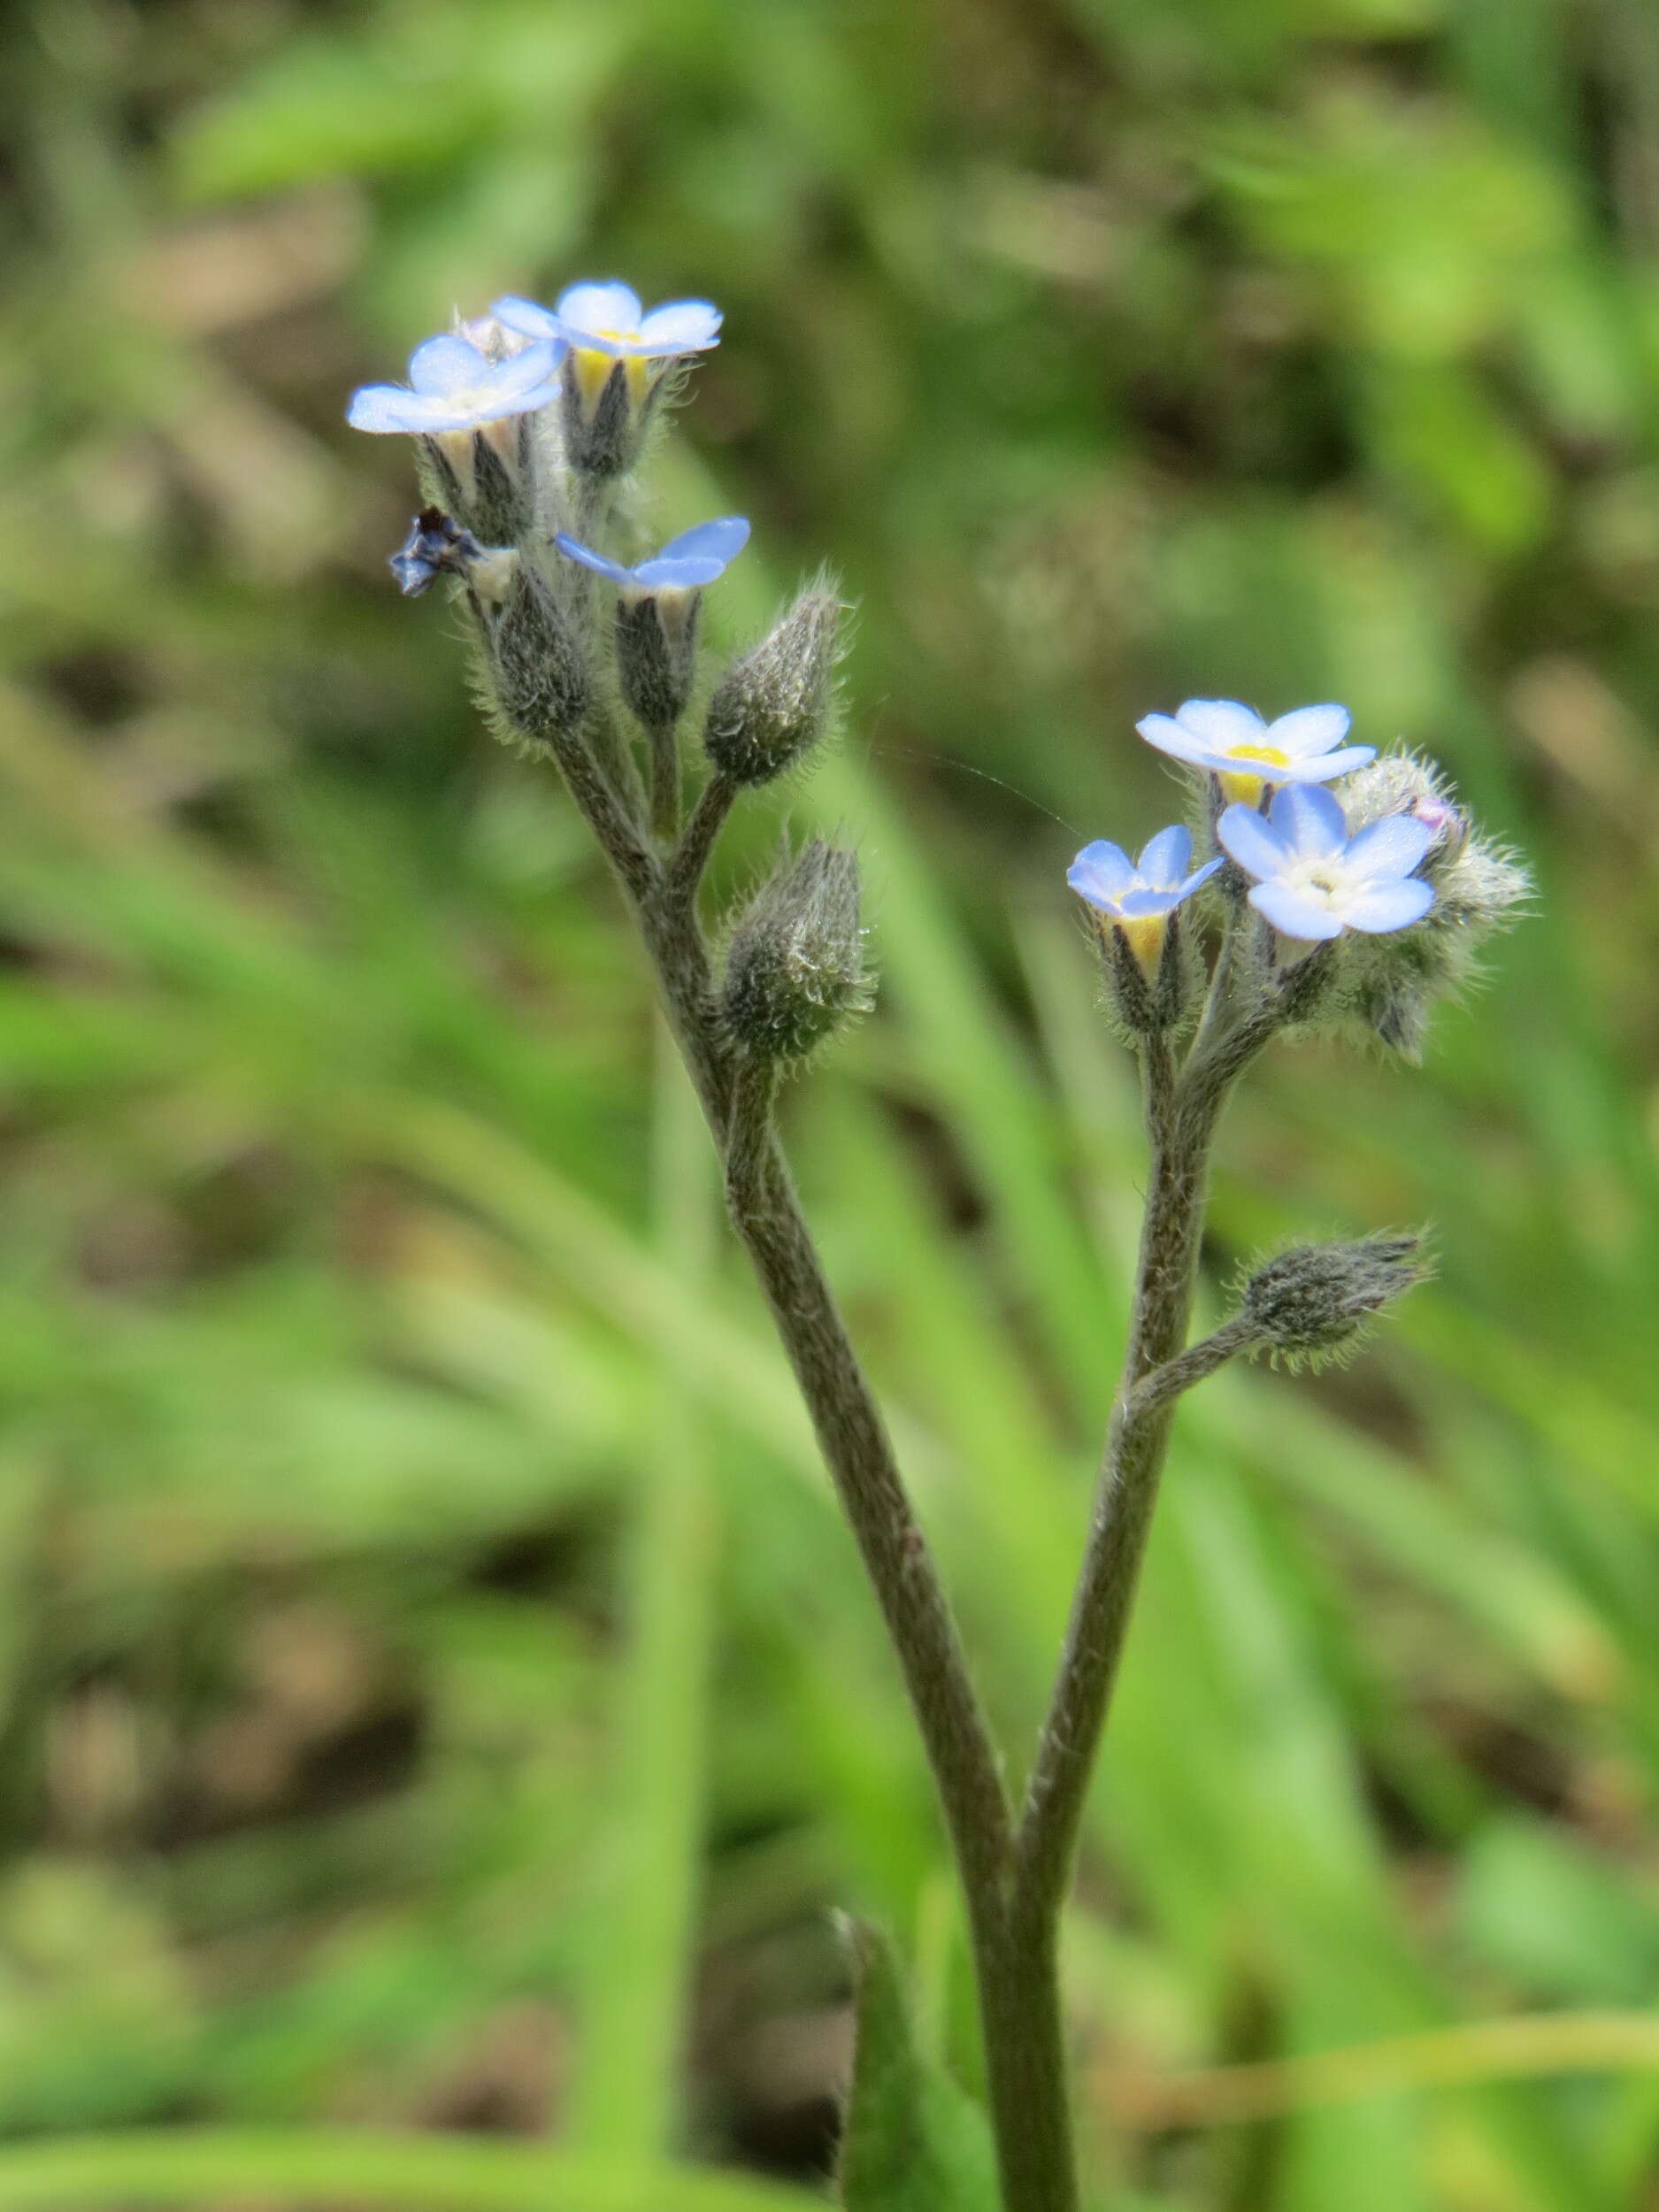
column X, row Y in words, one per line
column 435, row 1688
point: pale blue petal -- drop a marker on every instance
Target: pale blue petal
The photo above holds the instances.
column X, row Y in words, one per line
column 575, row 551
column 521, row 372
column 1393, row 847
column 1137, row 906
column 1167, row 735
column 600, row 310
column 720, row 541
column 1293, row 912
column 1308, row 819
column 390, row 407
column 1385, row 906
column 529, row 318
column 1200, row 875
column 1167, row 857
column 1255, row 844
column 1102, row 872
column 1222, row 723
column 444, row 364
column 1308, row 730
column 670, row 572
column 1323, row 767
column 682, row 326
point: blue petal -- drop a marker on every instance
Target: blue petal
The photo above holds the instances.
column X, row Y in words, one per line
column 519, row 374
column 1292, row 913
column 1167, row 857
column 1198, row 876
column 590, row 310
column 443, row 363
column 1306, row 731
column 1221, row 723
column 1255, row 844
column 1168, row 736
column 720, row 540
column 1102, row 872
column 574, row 550
column 682, row 327
column 1308, row 819
column 669, row 572
column 1393, row 847
column 1140, row 905
column 529, row 318
column 390, row 407
column 1323, row 767
column 1380, row 907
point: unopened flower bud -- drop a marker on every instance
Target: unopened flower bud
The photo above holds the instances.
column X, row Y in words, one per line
column 1310, row 1302
column 772, row 706
column 1392, row 984
column 538, row 675
column 794, row 971
column 656, row 653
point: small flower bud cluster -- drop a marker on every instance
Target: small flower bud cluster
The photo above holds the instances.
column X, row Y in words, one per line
column 1390, row 989
column 1310, row 1305
column 794, row 969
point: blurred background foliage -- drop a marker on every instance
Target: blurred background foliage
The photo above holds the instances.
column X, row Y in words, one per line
column 434, row 1687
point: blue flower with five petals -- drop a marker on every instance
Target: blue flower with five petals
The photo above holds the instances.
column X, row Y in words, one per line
column 1234, row 742
column 609, row 319
column 454, row 385
column 696, row 557
column 1138, row 896
column 1312, row 880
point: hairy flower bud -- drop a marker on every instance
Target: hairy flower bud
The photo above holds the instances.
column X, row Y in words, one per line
column 1310, row 1302
column 656, row 653
column 794, row 969
column 772, row 706
column 1155, row 972
column 538, row 677
column 1391, row 984
column 482, row 476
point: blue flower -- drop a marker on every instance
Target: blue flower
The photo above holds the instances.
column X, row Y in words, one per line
column 455, row 385
column 1138, row 896
column 1313, row 880
column 608, row 318
column 687, row 562
column 1234, row 743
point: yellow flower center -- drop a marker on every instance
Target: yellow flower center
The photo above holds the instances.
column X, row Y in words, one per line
column 1144, row 934
column 1270, row 754
column 593, row 369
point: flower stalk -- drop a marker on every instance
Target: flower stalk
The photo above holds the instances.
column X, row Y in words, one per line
column 1334, row 911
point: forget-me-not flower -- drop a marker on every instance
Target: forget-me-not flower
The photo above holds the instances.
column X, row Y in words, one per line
column 456, row 386
column 1313, row 880
column 609, row 319
column 696, row 557
column 605, row 324
column 1234, row 742
column 1138, row 896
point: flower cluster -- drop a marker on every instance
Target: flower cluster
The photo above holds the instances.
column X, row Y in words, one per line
column 527, row 421
column 1387, row 855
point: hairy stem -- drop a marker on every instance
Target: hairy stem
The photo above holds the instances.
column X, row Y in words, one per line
column 1180, row 1123
column 691, row 857
column 664, row 764
column 761, row 1200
